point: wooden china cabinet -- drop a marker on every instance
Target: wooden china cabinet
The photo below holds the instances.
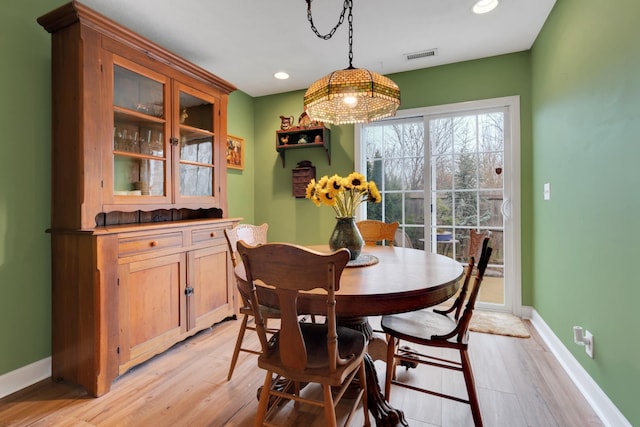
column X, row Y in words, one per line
column 139, row 259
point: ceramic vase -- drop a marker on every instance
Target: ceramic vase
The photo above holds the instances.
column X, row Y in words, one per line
column 346, row 235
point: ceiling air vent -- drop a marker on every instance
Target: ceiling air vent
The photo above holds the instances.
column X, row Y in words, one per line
column 421, row 54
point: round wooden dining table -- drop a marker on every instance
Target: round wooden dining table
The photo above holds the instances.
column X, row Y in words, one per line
column 396, row 280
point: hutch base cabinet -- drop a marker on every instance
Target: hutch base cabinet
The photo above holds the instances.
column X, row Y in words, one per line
column 124, row 294
column 139, row 257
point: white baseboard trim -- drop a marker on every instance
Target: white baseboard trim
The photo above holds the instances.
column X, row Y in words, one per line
column 609, row 414
column 24, row 377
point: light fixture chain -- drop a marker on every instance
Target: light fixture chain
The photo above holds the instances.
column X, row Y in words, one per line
column 352, row 95
column 347, row 5
column 350, row 19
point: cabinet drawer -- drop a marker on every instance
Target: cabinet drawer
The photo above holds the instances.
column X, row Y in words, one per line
column 205, row 235
column 142, row 244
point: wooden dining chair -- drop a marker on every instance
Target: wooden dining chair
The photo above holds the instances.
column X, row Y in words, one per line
column 430, row 328
column 477, row 241
column 301, row 353
column 254, row 235
column 402, row 239
column 374, row 231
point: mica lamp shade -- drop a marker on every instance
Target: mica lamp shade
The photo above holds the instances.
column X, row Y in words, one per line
column 353, row 95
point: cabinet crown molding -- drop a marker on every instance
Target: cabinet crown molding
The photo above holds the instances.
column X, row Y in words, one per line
column 75, row 12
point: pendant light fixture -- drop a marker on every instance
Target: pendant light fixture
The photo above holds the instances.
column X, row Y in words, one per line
column 352, row 95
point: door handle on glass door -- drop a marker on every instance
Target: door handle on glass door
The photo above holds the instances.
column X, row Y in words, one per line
column 505, row 208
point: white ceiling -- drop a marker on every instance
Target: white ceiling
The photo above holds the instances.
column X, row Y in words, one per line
column 246, row 41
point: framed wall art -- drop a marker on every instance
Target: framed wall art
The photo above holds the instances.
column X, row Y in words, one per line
column 235, row 152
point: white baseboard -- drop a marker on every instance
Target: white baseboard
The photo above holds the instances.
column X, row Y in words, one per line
column 599, row 401
column 24, row 377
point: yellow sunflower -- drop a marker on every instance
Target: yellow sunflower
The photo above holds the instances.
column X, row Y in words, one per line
column 344, row 195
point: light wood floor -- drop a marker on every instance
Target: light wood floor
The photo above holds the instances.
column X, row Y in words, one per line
column 519, row 383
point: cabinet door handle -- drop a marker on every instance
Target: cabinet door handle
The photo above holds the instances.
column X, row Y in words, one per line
column 173, row 140
column 188, row 291
column 153, row 243
column 212, row 234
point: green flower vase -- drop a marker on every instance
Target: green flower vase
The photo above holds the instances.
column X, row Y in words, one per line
column 346, row 235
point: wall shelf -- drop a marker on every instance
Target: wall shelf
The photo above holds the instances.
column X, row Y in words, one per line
column 292, row 139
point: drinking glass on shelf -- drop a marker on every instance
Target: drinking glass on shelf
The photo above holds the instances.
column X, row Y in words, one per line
column 124, row 141
column 134, row 143
column 145, row 141
column 117, row 138
column 157, row 144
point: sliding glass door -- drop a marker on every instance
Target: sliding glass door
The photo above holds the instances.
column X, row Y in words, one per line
column 444, row 171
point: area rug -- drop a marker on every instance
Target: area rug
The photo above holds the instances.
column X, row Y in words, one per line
column 491, row 322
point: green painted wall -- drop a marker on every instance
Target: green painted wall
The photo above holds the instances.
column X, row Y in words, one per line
column 240, row 117
column 291, row 219
column 25, row 196
column 586, row 116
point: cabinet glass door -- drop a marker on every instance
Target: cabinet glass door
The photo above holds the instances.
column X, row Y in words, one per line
column 139, row 153
column 196, row 143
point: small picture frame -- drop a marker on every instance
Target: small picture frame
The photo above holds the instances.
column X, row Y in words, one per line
column 235, row 152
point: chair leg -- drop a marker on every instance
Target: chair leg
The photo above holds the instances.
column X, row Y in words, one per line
column 391, row 364
column 471, row 388
column 263, row 404
column 236, row 350
column 362, row 377
column 329, row 409
column 296, row 388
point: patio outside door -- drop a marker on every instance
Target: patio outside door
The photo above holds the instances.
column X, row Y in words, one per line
column 467, row 172
column 443, row 171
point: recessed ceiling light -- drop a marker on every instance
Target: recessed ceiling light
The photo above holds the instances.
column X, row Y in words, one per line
column 281, row 75
column 484, row 6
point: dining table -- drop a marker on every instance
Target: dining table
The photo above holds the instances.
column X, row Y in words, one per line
column 382, row 280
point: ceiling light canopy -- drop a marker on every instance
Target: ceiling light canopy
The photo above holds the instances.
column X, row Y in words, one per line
column 352, row 95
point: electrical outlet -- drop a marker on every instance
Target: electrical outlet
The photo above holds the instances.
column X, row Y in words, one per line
column 588, row 345
column 585, row 338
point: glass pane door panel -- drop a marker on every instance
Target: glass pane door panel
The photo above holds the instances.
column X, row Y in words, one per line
column 392, row 180
column 196, row 112
column 196, row 161
column 139, row 153
column 392, row 207
column 196, row 180
column 443, row 172
column 136, row 92
column 443, row 209
column 137, row 176
column 414, row 208
column 467, row 155
column 135, row 135
column 196, row 148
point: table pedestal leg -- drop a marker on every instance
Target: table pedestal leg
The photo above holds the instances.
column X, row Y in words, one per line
column 382, row 412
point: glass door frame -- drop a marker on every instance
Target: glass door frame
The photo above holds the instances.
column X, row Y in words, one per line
column 112, row 60
column 511, row 209
column 213, row 134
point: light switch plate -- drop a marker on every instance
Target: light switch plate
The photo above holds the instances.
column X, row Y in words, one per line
column 547, row 191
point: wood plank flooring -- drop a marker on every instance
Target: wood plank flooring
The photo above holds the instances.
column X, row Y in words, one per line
column 519, row 383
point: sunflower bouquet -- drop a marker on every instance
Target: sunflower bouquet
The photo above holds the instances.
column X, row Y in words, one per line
column 344, row 195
